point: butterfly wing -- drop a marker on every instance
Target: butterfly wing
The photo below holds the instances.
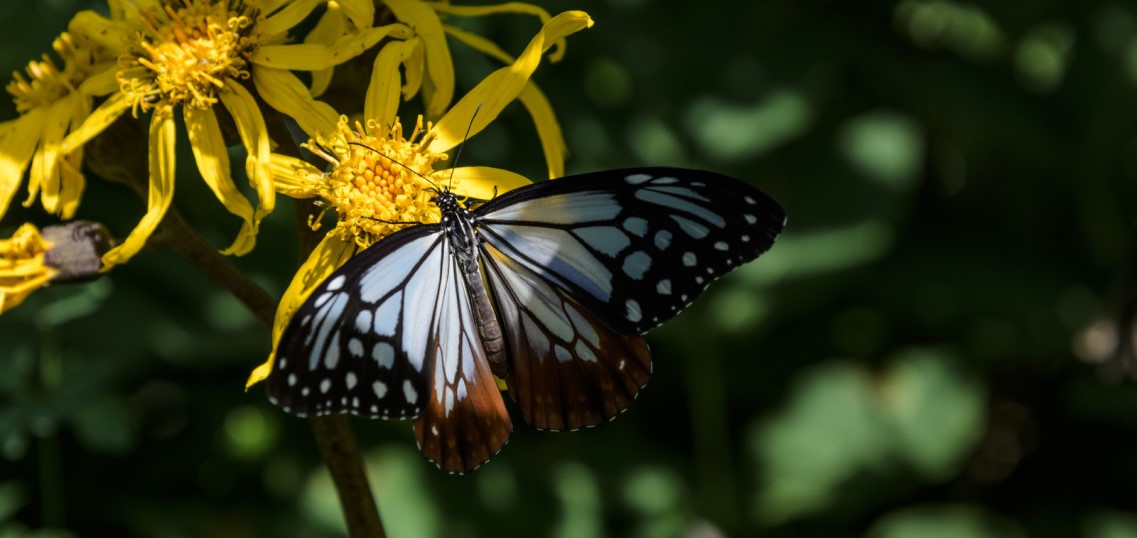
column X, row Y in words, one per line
column 465, row 422
column 567, row 369
column 580, row 265
column 390, row 335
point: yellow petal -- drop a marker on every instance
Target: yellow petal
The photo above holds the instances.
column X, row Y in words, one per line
column 316, row 56
column 382, row 100
column 481, row 182
column 331, row 27
column 104, row 32
column 284, row 92
column 548, row 130
column 71, row 176
column 294, row 177
column 502, row 86
column 99, row 120
column 212, row 158
column 101, row 82
column 439, row 66
column 508, row 7
column 162, row 166
column 328, row 256
column 251, row 126
column 18, row 140
column 361, row 12
column 45, row 163
column 534, row 100
column 283, row 20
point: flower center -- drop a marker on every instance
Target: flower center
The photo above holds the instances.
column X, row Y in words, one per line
column 46, row 83
column 185, row 55
column 376, row 185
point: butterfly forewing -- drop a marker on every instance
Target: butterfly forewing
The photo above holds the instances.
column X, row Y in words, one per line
column 358, row 342
column 567, row 370
column 634, row 247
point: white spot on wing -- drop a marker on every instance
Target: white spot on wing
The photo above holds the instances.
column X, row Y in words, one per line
column 690, row 227
column 409, row 391
column 679, row 204
column 355, row 347
column 336, row 283
column 351, row 380
column 633, row 311
column 636, row 264
column 664, row 287
column 325, row 385
column 750, row 219
column 322, row 299
column 363, row 321
column 636, row 179
column 380, row 389
column 750, row 200
column 384, row 354
column 607, row 239
column 662, row 239
column 689, row 259
column 636, row 226
column 721, row 245
column 292, row 380
column 387, row 315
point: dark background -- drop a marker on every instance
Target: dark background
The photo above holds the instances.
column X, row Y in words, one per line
column 940, row 344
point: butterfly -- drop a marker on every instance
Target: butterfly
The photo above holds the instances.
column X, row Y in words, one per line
column 548, row 287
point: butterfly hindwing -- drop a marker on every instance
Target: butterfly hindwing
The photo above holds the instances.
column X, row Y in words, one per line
column 358, row 342
column 634, row 247
column 567, row 370
column 465, row 421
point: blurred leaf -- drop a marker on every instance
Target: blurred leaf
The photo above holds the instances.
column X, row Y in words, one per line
column 729, row 131
column 399, row 484
column 841, row 421
column 829, row 430
column 250, row 432
column 581, row 515
column 943, row 522
column 885, row 146
column 937, row 414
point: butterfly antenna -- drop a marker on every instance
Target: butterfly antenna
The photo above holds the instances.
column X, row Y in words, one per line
column 462, row 145
column 409, row 169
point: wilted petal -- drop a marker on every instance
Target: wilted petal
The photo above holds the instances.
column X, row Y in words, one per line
column 98, row 121
column 251, row 126
column 212, row 158
column 162, row 166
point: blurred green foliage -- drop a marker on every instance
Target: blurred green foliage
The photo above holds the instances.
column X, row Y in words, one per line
column 939, row 346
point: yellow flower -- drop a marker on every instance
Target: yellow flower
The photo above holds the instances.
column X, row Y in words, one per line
column 22, row 267
column 51, row 102
column 196, row 54
column 381, row 174
column 428, row 63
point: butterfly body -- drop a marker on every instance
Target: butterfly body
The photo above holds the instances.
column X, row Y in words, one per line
column 548, row 287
